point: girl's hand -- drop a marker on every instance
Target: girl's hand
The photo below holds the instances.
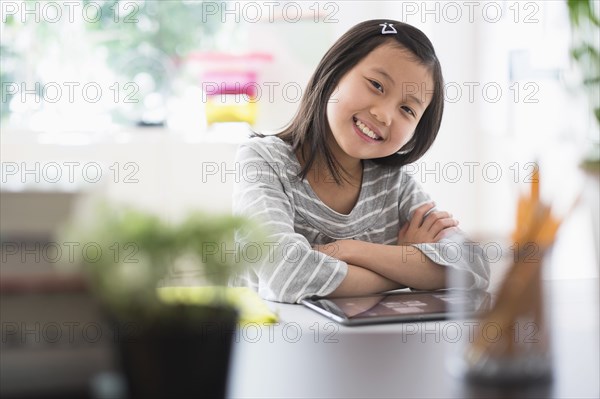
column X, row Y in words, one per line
column 430, row 228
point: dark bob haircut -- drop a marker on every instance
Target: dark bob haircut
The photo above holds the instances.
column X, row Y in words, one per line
column 309, row 128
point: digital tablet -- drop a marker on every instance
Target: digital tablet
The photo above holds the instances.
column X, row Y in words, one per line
column 404, row 306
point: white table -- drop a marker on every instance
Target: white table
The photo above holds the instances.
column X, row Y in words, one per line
column 308, row 356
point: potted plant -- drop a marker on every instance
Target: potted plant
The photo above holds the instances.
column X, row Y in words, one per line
column 166, row 349
column 585, row 52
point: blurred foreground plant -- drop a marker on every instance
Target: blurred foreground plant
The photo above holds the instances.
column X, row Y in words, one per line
column 137, row 250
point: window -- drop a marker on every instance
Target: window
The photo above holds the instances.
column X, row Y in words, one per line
column 92, row 65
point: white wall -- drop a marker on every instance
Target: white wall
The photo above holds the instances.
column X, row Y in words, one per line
column 166, row 173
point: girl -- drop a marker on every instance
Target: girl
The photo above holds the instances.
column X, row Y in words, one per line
column 344, row 218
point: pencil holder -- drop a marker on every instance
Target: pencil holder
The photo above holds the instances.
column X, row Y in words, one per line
column 510, row 343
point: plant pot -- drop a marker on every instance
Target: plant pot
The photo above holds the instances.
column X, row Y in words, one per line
column 178, row 357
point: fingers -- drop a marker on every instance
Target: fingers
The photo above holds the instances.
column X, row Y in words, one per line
column 417, row 218
column 434, row 217
column 445, row 233
column 429, row 226
column 442, row 227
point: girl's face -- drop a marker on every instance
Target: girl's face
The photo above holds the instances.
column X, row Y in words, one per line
column 383, row 96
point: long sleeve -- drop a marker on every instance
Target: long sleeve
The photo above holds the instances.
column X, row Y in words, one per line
column 290, row 270
column 455, row 250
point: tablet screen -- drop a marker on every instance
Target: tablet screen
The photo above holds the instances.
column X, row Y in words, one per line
column 400, row 307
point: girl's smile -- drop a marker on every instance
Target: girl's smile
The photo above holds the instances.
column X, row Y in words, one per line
column 366, row 131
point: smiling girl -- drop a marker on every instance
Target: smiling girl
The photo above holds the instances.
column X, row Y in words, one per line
column 344, row 218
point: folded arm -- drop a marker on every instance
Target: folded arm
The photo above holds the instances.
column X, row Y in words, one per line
column 402, row 264
column 361, row 281
column 379, row 267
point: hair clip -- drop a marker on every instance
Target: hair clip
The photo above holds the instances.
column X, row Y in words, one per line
column 387, row 30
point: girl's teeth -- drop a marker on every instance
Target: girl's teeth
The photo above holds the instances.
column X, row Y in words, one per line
column 368, row 132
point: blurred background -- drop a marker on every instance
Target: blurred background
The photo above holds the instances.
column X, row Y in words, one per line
column 145, row 102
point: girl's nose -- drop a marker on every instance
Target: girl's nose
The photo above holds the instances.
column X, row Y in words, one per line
column 381, row 114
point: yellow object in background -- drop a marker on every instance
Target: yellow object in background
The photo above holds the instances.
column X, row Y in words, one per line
column 251, row 307
column 219, row 111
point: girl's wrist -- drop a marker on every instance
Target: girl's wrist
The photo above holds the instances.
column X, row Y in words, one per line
column 348, row 249
column 335, row 249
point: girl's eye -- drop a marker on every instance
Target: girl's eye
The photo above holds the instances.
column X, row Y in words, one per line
column 409, row 111
column 376, row 85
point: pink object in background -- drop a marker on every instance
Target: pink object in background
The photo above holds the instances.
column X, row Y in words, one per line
column 230, row 85
column 230, row 82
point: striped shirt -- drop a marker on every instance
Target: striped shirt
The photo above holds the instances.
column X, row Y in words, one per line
column 268, row 191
